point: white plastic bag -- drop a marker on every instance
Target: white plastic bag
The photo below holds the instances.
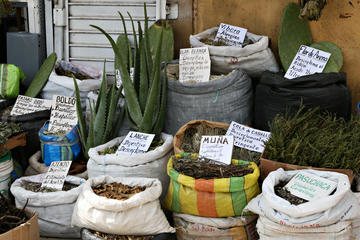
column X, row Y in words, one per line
column 253, row 58
column 139, row 215
column 55, row 208
column 151, row 164
column 340, row 206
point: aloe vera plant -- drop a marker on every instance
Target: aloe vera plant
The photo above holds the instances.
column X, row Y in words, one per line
column 104, row 122
column 145, row 96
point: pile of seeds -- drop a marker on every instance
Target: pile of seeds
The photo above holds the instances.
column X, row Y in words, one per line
column 117, row 190
column 282, row 192
column 208, row 169
column 107, row 236
column 10, row 216
column 36, row 187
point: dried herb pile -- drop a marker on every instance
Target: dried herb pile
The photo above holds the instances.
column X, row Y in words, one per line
column 7, row 130
column 117, row 190
column 311, row 138
column 285, row 194
column 36, row 187
column 192, row 140
column 210, row 40
column 208, row 169
column 107, row 236
column 62, row 72
column 10, row 216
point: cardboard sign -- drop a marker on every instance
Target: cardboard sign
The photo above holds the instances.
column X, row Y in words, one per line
column 307, row 61
column 63, row 114
column 309, row 186
column 56, row 174
column 25, row 105
column 231, row 35
column 217, row 148
column 194, row 65
column 248, row 138
column 135, row 142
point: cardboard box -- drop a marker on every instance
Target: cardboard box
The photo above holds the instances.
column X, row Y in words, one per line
column 26, row 231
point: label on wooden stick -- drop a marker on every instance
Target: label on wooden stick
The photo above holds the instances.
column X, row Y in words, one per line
column 63, row 114
column 56, row 175
column 135, row 142
column 26, row 105
column 217, row 148
column 194, row 65
column 231, row 35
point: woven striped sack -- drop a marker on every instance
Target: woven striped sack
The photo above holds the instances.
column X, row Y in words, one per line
column 10, row 77
column 59, row 148
column 222, row 197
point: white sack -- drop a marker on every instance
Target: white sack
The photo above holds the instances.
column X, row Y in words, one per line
column 55, row 208
column 340, row 206
column 139, row 215
column 151, row 164
column 253, row 58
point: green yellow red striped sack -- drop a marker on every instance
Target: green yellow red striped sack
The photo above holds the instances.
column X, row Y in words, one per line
column 221, row 197
column 10, row 77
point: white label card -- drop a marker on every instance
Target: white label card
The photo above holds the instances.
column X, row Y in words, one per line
column 63, row 114
column 307, row 61
column 309, row 186
column 248, row 138
column 217, row 148
column 194, row 65
column 56, row 175
column 231, row 35
column 25, row 105
column 135, row 142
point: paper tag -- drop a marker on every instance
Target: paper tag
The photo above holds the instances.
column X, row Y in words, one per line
column 309, row 186
column 231, row 35
column 56, row 174
column 63, row 114
column 135, row 142
column 307, row 61
column 248, row 138
column 25, row 105
column 194, row 64
column 217, row 148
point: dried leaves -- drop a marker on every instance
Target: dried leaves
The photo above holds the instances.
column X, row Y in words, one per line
column 10, row 216
column 107, row 236
column 208, row 169
column 117, row 190
column 36, row 187
column 285, row 194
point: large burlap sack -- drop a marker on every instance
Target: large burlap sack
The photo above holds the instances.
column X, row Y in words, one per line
column 220, row 197
column 275, row 94
column 141, row 214
column 189, row 227
column 269, row 230
column 342, row 205
column 228, row 98
column 55, row 208
column 253, row 58
column 150, row 165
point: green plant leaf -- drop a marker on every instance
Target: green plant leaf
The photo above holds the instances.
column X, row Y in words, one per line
column 167, row 47
column 131, row 63
column 120, row 42
column 41, row 76
column 293, row 33
column 159, row 125
column 149, row 61
column 80, row 115
column 144, row 81
column 336, row 59
column 114, row 99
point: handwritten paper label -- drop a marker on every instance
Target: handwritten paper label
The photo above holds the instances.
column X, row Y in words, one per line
column 25, row 105
column 248, row 138
column 231, row 35
column 307, row 61
column 56, row 174
column 217, row 148
column 134, row 143
column 63, row 114
column 308, row 186
column 194, row 65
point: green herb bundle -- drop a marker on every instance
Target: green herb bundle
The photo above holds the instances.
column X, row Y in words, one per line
column 312, row 138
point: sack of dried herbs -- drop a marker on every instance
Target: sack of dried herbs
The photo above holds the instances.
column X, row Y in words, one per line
column 55, row 208
column 253, row 57
column 140, row 214
column 87, row 234
column 210, row 190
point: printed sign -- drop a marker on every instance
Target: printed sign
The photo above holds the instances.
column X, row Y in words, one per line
column 307, row 61
column 63, row 114
column 25, row 105
column 194, row 65
column 56, row 174
column 217, row 148
column 248, row 138
column 231, row 35
column 309, row 186
column 134, row 143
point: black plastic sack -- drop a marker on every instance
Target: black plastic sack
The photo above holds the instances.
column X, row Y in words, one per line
column 88, row 235
column 275, row 94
